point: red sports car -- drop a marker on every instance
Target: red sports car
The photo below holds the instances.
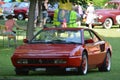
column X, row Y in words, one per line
column 68, row 49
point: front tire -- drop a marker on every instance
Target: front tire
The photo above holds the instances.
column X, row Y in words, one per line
column 84, row 65
column 49, row 20
column 106, row 66
column 20, row 16
column 108, row 23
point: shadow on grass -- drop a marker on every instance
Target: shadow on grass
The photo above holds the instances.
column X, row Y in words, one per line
column 61, row 73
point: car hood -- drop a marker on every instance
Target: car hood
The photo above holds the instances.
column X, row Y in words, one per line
column 104, row 11
column 47, row 49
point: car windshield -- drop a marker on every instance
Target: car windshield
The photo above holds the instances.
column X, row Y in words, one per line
column 111, row 5
column 23, row 4
column 58, row 36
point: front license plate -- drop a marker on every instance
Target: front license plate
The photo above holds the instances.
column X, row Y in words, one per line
column 40, row 69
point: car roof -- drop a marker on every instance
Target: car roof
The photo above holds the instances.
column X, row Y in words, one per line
column 63, row 28
column 67, row 29
column 114, row 1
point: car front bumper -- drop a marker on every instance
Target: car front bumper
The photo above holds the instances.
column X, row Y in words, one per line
column 33, row 63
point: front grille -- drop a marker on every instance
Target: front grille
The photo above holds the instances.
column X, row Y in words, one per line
column 47, row 61
column 40, row 61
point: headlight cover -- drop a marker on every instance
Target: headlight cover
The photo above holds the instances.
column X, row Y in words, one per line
column 96, row 16
column 100, row 16
column 22, row 61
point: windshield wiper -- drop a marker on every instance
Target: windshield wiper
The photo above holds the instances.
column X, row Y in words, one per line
column 58, row 41
column 73, row 42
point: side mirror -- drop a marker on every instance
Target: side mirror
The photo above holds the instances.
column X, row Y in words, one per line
column 25, row 40
column 89, row 41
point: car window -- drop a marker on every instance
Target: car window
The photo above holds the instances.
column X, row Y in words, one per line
column 90, row 35
column 94, row 37
column 58, row 36
column 87, row 35
column 111, row 5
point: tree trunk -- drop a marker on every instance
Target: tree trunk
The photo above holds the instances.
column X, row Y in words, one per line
column 31, row 18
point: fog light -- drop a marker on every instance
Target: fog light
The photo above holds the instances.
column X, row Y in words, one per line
column 60, row 61
column 22, row 61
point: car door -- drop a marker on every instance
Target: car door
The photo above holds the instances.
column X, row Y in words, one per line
column 95, row 47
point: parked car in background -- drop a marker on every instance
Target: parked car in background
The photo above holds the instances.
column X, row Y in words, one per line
column 8, row 8
column 64, row 49
column 21, row 11
column 107, row 15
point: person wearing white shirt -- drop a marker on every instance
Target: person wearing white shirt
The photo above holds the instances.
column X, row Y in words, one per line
column 90, row 15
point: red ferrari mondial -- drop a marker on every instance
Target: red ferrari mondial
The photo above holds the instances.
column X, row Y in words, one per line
column 68, row 49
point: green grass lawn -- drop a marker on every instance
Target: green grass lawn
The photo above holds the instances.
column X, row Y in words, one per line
column 111, row 35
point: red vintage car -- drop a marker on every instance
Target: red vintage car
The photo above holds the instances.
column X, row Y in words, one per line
column 107, row 15
column 21, row 11
column 67, row 49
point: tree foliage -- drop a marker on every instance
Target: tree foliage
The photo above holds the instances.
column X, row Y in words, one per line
column 64, row 1
column 99, row 3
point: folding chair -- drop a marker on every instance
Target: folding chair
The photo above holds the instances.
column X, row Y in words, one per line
column 9, row 36
column 2, row 28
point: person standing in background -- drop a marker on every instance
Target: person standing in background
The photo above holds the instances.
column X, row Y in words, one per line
column 80, row 12
column 44, row 11
column 78, row 9
column 10, row 23
column 90, row 15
